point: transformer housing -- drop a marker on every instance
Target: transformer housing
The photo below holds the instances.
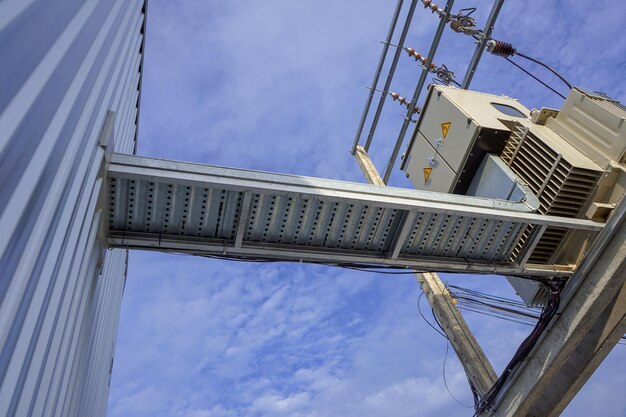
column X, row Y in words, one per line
column 572, row 160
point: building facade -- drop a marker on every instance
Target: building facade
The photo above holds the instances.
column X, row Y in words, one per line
column 70, row 81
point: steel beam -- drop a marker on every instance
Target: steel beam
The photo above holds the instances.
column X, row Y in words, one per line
column 402, row 232
column 591, row 321
column 292, row 253
column 157, row 170
column 243, row 218
column 193, row 208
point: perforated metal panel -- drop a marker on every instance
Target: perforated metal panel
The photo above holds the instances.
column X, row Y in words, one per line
column 141, row 206
column 195, row 208
column 151, row 207
column 145, row 206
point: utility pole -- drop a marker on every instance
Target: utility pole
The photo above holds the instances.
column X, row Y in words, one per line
column 479, row 371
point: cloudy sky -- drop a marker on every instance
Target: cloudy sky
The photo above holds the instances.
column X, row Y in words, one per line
column 279, row 86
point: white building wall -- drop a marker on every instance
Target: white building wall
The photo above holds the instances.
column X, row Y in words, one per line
column 65, row 65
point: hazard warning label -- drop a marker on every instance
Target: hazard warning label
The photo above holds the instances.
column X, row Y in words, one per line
column 445, row 127
column 427, row 172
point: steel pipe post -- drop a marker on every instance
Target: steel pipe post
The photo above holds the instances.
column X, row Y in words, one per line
column 379, row 69
column 478, row 53
column 392, row 70
column 418, row 89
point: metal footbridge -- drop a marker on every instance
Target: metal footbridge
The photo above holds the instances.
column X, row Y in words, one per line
column 206, row 210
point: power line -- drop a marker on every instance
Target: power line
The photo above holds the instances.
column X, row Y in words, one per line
column 419, row 308
column 442, row 333
column 535, row 77
column 445, row 381
column 549, row 68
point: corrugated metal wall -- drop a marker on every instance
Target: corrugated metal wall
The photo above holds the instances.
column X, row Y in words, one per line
column 64, row 65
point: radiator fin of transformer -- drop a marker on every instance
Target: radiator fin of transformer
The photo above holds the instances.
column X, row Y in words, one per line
column 612, row 106
column 514, row 141
column 562, row 189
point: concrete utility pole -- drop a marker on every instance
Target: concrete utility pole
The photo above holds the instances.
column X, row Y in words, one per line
column 592, row 320
column 370, row 172
column 477, row 367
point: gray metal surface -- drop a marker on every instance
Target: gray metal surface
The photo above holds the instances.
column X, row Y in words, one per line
column 201, row 209
column 494, row 179
column 66, row 64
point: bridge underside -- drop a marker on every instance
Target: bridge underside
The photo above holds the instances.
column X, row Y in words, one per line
column 213, row 211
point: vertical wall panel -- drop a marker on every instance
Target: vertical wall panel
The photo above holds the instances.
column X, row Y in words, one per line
column 66, row 65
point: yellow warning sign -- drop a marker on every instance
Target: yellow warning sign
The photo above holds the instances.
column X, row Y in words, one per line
column 427, row 172
column 444, row 128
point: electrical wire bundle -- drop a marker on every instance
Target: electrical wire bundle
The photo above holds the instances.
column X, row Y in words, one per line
column 486, row 403
column 506, row 309
column 377, row 269
column 501, row 308
column 493, row 306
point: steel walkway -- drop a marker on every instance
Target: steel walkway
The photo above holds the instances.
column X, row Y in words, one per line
column 213, row 211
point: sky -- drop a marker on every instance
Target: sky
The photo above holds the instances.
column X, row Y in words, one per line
column 280, row 86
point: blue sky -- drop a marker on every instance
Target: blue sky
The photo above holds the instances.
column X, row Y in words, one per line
column 279, row 86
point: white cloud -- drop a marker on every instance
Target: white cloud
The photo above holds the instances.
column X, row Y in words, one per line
column 398, row 399
column 217, row 411
column 274, row 405
column 313, row 340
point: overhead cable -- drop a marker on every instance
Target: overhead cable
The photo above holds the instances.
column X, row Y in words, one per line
column 506, row 50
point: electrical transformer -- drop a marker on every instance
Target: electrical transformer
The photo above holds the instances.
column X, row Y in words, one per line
column 573, row 160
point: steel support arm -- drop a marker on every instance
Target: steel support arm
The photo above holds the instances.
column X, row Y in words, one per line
column 392, row 70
